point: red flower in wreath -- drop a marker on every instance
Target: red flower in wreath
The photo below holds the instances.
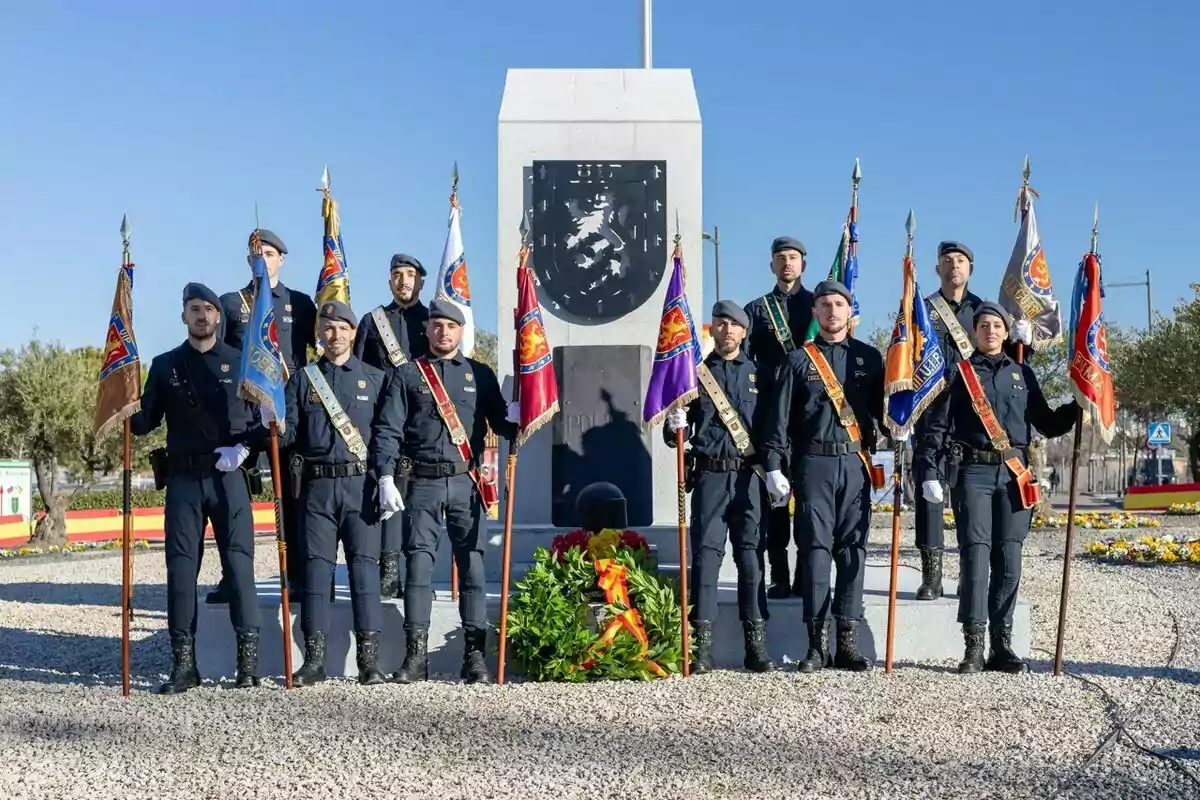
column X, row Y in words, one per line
column 568, row 541
column 634, row 541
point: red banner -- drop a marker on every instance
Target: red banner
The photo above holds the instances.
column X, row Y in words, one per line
column 1090, row 371
column 536, row 384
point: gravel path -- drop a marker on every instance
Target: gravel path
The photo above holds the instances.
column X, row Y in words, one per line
column 1134, row 637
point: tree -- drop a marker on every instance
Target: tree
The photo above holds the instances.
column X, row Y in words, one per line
column 47, row 402
column 486, row 345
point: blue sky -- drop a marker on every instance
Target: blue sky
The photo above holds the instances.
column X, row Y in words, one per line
column 184, row 115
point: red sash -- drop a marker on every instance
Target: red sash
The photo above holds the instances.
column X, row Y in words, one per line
column 458, row 434
column 1030, row 493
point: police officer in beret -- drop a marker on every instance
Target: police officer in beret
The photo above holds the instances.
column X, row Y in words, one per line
column 434, row 420
column 827, row 405
column 779, row 323
column 992, row 512
column 295, row 324
column 337, row 495
column 388, row 337
column 952, row 310
column 210, row 432
column 726, row 491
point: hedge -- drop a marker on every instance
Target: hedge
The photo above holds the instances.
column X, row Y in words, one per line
column 140, row 498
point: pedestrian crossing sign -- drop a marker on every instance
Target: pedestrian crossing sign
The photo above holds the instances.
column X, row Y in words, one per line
column 1158, row 434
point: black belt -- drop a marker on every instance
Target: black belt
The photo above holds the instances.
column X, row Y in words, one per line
column 973, row 456
column 191, row 462
column 345, row 470
column 832, row 448
column 441, row 469
column 706, row 464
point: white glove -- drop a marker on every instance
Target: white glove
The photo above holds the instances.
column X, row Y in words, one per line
column 778, row 488
column 677, row 419
column 390, row 501
column 1022, row 331
column 231, row 457
column 932, row 491
column 514, row 413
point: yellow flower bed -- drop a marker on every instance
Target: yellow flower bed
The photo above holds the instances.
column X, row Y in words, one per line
column 1146, row 549
column 886, row 508
column 1098, row 520
column 71, row 547
column 1184, row 509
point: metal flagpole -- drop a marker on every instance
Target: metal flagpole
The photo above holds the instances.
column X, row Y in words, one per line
column 126, row 514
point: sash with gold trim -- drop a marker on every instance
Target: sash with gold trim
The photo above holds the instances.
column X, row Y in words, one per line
column 961, row 340
column 337, row 415
column 454, row 426
column 779, row 322
column 1000, row 442
column 729, row 416
column 387, row 336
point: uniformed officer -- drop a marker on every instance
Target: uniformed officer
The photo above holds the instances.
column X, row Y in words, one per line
column 726, row 491
column 434, row 420
column 826, row 406
column 986, row 475
column 779, row 323
column 295, row 324
column 387, row 337
column 209, row 435
column 332, row 406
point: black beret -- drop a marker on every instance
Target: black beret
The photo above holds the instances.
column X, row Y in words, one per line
column 444, row 309
column 201, row 292
column 995, row 309
column 730, row 310
column 832, row 287
column 268, row 238
column 404, row 260
column 955, row 247
column 337, row 310
column 600, row 506
column 787, row 243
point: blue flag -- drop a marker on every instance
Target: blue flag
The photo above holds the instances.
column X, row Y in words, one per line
column 915, row 370
column 262, row 375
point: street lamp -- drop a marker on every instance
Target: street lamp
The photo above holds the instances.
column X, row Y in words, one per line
column 1149, row 298
column 715, row 239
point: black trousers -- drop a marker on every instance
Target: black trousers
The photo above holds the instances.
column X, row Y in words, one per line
column 393, row 533
column 458, row 500
column 340, row 509
column 779, row 530
column 222, row 498
column 292, row 510
column 992, row 527
column 930, row 524
column 726, row 503
column 833, row 513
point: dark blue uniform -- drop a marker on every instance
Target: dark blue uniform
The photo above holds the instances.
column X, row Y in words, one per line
column 409, row 427
column 337, row 497
column 196, row 394
column 832, row 485
column 408, row 325
column 295, row 325
column 991, row 522
column 768, row 354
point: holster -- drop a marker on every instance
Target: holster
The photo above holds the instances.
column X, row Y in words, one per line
column 953, row 463
column 404, row 470
column 254, row 480
column 158, row 466
column 296, row 470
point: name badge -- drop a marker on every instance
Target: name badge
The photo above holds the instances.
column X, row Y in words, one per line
column 361, row 397
column 468, row 388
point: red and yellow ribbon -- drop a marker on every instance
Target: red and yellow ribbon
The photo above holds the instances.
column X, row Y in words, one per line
column 610, row 576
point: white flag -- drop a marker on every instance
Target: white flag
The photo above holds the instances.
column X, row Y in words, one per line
column 452, row 284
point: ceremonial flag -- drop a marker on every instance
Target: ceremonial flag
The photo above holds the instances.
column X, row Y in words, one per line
column 1091, row 374
column 844, row 270
column 334, row 280
column 914, row 371
column 537, row 385
column 452, row 284
column 673, row 376
column 1026, row 292
column 119, row 389
column 261, row 381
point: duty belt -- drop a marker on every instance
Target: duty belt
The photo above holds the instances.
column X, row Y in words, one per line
column 706, row 464
column 191, row 462
column 832, row 448
column 346, row 470
column 972, row 456
column 441, row 469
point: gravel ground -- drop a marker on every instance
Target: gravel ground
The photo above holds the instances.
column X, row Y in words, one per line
column 1133, row 642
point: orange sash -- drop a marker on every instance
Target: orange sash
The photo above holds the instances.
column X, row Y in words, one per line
column 845, row 413
column 1000, row 442
column 458, row 434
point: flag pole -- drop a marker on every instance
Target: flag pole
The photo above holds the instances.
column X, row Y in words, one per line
column 852, row 246
column 1074, row 489
column 1020, row 209
column 126, row 514
column 453, row 562
column 681, row 473
column 510, row 469
column 910, row 226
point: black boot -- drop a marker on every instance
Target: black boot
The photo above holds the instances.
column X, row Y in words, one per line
column 184, row 674
column 220, row 595
column 247, row 660
column 931, row 574
column 818, row 648
column 847, row 655
column 1002, row 658
column 973, row 660
column 474, row 667
column 389, row 576
column 416, row 659
column 368, row 658
column 757, row 659
column 312, row 671
column 702, row 655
